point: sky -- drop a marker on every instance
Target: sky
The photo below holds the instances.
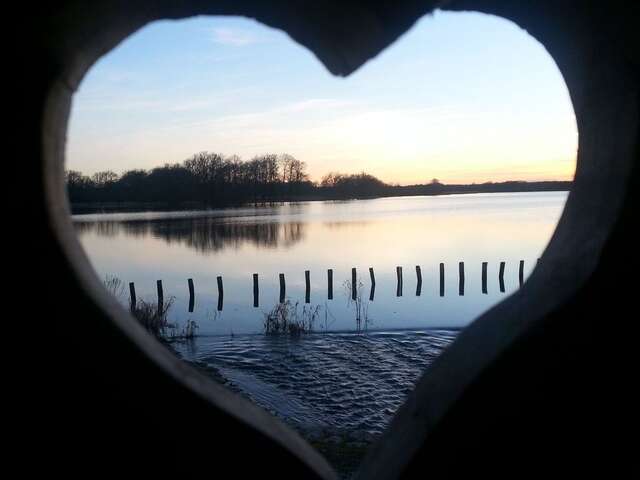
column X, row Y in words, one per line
column 462, row 97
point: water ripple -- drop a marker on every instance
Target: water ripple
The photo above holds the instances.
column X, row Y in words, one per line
column 344, row 381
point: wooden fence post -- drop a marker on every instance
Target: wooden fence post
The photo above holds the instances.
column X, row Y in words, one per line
column 160, row 297
column 354, row 287
column 132, row 296
column 220, row 293
column 191, row 295
column 372, row 291
column 484, row 277
column 283, row 288
column 256, row 291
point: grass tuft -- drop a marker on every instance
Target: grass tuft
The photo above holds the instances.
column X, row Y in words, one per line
column 286, row 318
column 154, row 320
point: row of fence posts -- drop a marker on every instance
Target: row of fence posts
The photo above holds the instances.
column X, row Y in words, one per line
column 354, row 285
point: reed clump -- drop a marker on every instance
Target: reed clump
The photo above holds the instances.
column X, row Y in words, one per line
column 154, row 318
column 286, row 318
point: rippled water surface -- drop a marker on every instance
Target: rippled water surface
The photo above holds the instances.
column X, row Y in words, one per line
column 343, row 381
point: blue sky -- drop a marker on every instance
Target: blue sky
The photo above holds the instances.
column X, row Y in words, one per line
column 463, row 97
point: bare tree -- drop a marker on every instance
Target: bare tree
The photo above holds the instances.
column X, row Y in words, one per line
column 285, row 165
column 298, row 173
column 104, row 178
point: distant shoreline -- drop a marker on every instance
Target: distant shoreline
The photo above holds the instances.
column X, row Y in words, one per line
column 391, row 191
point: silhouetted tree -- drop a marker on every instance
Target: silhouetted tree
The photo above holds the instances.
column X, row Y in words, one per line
column 210, row 178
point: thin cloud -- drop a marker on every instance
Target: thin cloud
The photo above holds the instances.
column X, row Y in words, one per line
column 233, row 37
column 159, row 101
column 316, row 104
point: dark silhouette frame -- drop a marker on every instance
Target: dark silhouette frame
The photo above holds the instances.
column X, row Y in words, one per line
column 514, row 394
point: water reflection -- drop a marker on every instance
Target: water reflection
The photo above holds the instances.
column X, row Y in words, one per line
column 406, row 251
column 202, row 234
column 346, row 224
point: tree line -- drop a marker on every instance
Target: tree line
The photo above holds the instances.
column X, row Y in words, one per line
column 212, row 179
column 208, row 178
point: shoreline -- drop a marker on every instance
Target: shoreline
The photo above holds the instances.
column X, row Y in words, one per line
column 82, row 208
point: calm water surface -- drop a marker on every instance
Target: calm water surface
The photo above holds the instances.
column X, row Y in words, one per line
column 348, row 374
column 316, row 236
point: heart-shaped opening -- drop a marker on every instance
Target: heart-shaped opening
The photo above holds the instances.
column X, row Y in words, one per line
column 321, row 302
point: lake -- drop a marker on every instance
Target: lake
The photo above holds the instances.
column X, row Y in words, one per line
column 356, row 370
column 381, row 234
